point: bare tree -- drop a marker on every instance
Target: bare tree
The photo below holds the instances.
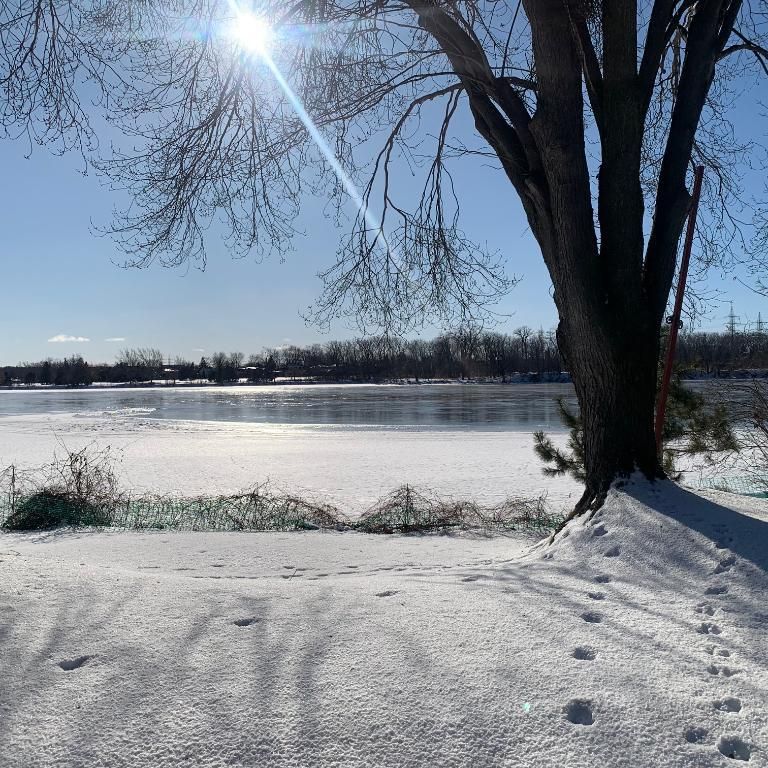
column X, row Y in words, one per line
column 594, row 112
column 524, row 334
column 220, row 364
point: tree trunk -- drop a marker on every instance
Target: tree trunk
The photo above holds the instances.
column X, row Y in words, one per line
column 613, row 363
column 610, row 288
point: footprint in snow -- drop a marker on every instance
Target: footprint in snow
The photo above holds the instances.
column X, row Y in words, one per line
column 695, row 735
column 713, row 669
column 592, row 617
column 584, row 653
column 613, row 552
column 244, row 622
column 602, row 579
column 69, row 664
column 734, row 747
column 713, row 650
column 705, row 608
column 387, row 593
column 599, row 530
column 727, row 704
column 725, row 564
column 470, row 578
column 708, row 628
column 579, row 712
column 716, row 590
column 596, row 595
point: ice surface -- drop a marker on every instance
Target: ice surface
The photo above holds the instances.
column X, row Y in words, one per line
column 347, row 467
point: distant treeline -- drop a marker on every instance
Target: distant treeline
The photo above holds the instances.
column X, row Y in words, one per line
column 464, row 354
column 723, row 353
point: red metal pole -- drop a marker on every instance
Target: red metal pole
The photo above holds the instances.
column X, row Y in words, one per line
column 664, row 393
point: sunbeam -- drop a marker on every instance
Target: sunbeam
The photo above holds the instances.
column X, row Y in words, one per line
column 349, row 185
column 255, row 36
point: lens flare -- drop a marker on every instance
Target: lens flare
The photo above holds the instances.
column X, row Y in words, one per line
column 252, row 33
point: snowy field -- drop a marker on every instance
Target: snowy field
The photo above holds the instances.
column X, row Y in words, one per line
column 345, row 466
column 637, row 639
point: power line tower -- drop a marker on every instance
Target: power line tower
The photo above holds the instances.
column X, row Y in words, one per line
column 760, row 324
column 730, row 327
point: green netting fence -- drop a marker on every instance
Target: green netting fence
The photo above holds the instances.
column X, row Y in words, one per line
column 742, row 485
column 81, row 490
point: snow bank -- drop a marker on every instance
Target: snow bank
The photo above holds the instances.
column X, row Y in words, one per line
column 637, row 639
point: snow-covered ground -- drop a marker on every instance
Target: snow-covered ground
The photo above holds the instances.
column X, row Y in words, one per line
column 636, row 639
column 347, row 467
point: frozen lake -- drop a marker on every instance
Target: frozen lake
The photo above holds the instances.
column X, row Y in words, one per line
column 513, row 407
column 346, row 444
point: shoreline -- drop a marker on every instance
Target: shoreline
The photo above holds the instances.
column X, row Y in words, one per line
column 515, row 379
column 533, row 378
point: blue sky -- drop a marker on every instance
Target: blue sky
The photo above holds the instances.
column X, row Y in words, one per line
column 61, row 280
column 64, row 281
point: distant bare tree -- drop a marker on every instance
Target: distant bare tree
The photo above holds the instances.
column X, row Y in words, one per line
column 524, row 334
column 594, row 113
column 220, row 365
column 141, row 363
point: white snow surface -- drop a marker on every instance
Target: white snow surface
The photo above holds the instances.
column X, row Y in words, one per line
column 349, row 468
column 637, row 639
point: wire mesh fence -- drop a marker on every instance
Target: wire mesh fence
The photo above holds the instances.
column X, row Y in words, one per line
column 408, row 509
column 80, row 490
column 742, row 485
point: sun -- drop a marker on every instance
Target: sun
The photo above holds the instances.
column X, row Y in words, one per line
column 252, row 33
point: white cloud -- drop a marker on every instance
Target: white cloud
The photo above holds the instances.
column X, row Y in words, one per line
column 64, row 338
column 198, row 349
column 115, row 338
